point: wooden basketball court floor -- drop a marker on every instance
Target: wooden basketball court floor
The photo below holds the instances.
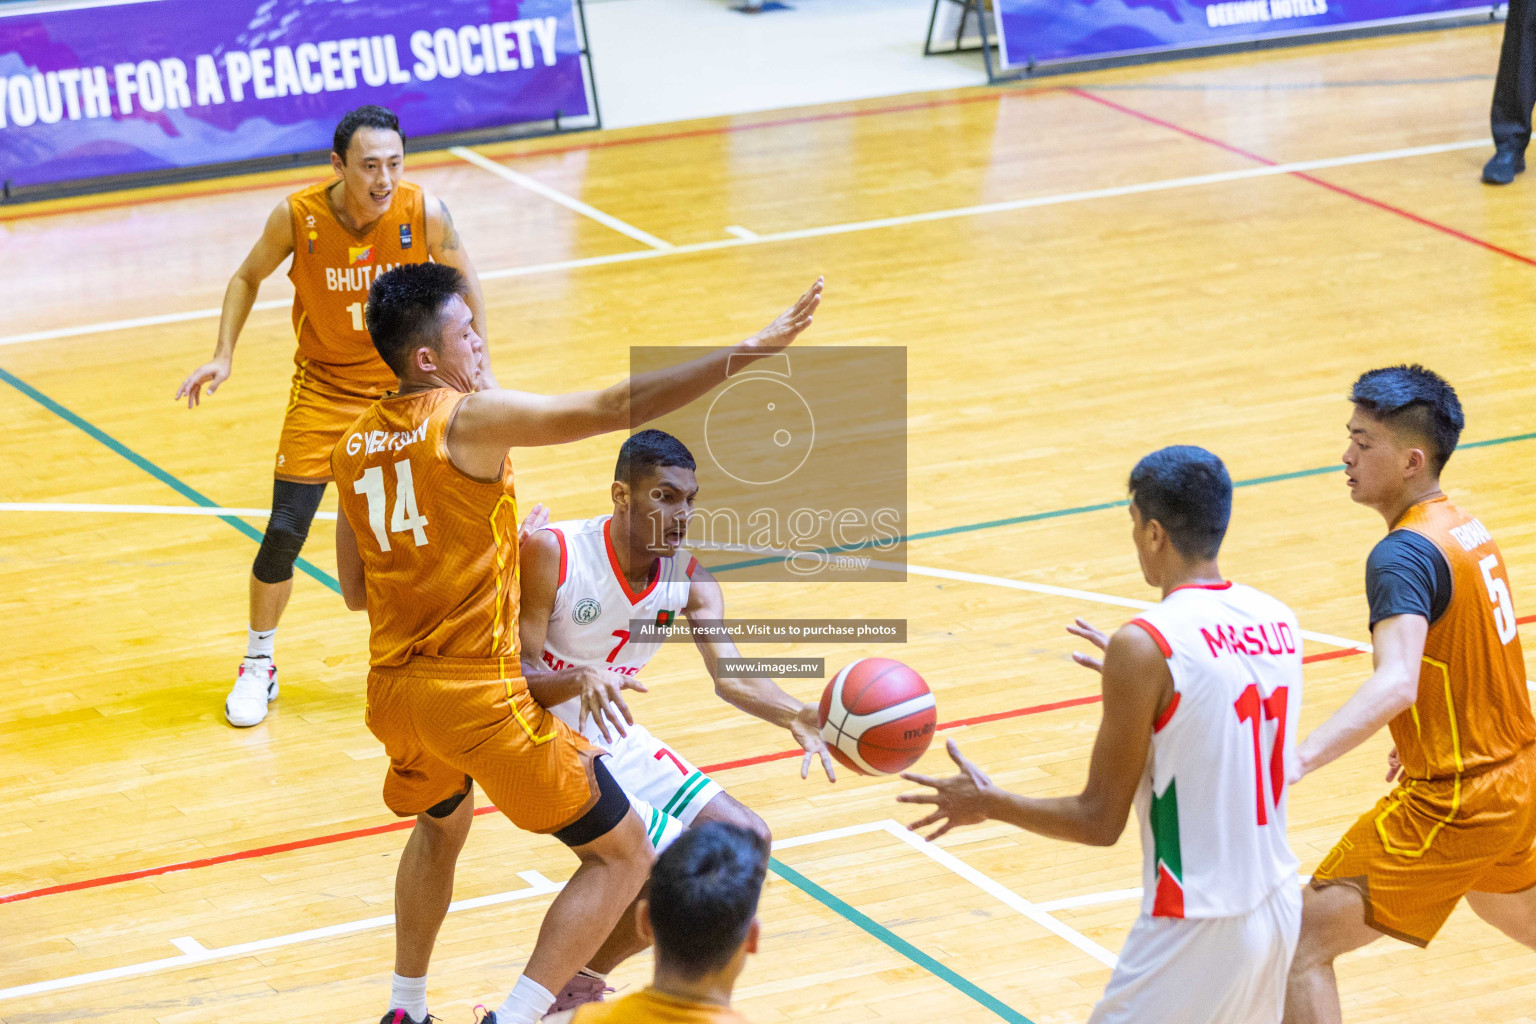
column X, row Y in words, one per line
column 1081, row 270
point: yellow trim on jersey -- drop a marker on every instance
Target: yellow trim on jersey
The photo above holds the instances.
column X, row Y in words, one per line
column 299, row 380
column 497, row 625
column 1450, row 709
column 1407, row 787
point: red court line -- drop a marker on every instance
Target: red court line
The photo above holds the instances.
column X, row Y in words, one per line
column 396, row 826
column 729, row 129
column 399, row 826
column 1304, row 176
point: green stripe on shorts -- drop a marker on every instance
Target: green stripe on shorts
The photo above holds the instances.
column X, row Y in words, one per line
column 685, row 796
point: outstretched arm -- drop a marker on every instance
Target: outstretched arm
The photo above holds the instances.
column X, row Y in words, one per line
column 446, row 246
column 1398, row 644
column 599, row 689
column 274, row 246
column 756, row 695
column 1137, row 688
column 489, row 423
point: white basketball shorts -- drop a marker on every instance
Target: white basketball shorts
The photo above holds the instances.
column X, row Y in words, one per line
column 1217, row 970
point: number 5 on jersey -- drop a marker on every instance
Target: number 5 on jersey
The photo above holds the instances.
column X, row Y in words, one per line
column 406, row 517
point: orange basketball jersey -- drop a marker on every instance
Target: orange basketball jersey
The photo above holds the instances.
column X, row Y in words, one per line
column 1473, row 708
column 331, row 273
column 651, row 1007
column 439, row 548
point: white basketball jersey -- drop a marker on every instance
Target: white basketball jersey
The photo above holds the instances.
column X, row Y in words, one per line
column 1212, row 801
column 594, row 606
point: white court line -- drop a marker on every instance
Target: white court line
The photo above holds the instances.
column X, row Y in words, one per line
column 194, row 952
column 537, row 187
column 1001, row 892
column 745, row 234
column 1090, row 596
column 834, row 229
column 1086, row 595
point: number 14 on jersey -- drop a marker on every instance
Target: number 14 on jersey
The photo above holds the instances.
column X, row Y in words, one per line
column 406, row 519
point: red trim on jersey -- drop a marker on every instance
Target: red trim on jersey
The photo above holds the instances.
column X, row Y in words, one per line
column 693, row 563
column 1167, row 715
column 561, row 538
column 1156, row 635
column 618, row 573
column 1223, row 585
column 1169, row 901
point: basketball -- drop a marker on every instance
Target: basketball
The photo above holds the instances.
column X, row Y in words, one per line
column 877, row 716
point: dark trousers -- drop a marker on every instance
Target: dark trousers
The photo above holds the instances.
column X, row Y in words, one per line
column 1514, row 92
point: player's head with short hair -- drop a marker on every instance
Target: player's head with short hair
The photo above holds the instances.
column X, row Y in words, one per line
column 1187, row 492
column 369, row 116
column 654, row 490
column 649, row 450
column 1414, row 403
column 702, row 904
column 368, row 155
column 421, row 306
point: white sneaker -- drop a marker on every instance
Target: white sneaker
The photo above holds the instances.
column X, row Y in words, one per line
column 255, row 688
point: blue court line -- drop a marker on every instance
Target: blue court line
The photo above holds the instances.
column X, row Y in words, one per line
column 896, row 942
column 192, row 494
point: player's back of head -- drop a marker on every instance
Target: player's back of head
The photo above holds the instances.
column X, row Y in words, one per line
column 405, row 309
column 703, row 898
column 1415, row 401
column 648, row 450
column 1187, row 489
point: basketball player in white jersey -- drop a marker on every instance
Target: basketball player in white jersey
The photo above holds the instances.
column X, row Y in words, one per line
column 1201, row 698
column 584, row 582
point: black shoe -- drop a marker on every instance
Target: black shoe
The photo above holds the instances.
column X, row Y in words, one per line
column 401, row 1017
column 1501, row 170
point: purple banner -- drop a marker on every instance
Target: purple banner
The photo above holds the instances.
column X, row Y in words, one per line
column 147, row 85
column 1042, row 31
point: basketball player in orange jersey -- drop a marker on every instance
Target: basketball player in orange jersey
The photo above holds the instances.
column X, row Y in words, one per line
column 428, row 543
column 702, row 914
column 341, row 234
column 1450, row 682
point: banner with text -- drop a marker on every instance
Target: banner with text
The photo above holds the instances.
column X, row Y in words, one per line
column 155, row 84
column 1041, row 31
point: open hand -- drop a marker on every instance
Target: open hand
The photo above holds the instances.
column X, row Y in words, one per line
column 960, row 799
column 790, row 324
column 602, row 700
column 533, row 522
column 211, row 373
column 806, row 729
column 1095, row 636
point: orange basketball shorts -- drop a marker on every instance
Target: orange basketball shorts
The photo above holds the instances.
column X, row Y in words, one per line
column 446, row 721
column 320, row 409
column 1428, row 843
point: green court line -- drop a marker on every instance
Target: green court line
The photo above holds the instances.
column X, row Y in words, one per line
column 896, row 942
column 186, row 491
column 990, row 524
column 1035, row 517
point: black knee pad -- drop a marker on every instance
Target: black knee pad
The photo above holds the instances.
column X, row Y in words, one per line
column 604, row 816
column 293, row 509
